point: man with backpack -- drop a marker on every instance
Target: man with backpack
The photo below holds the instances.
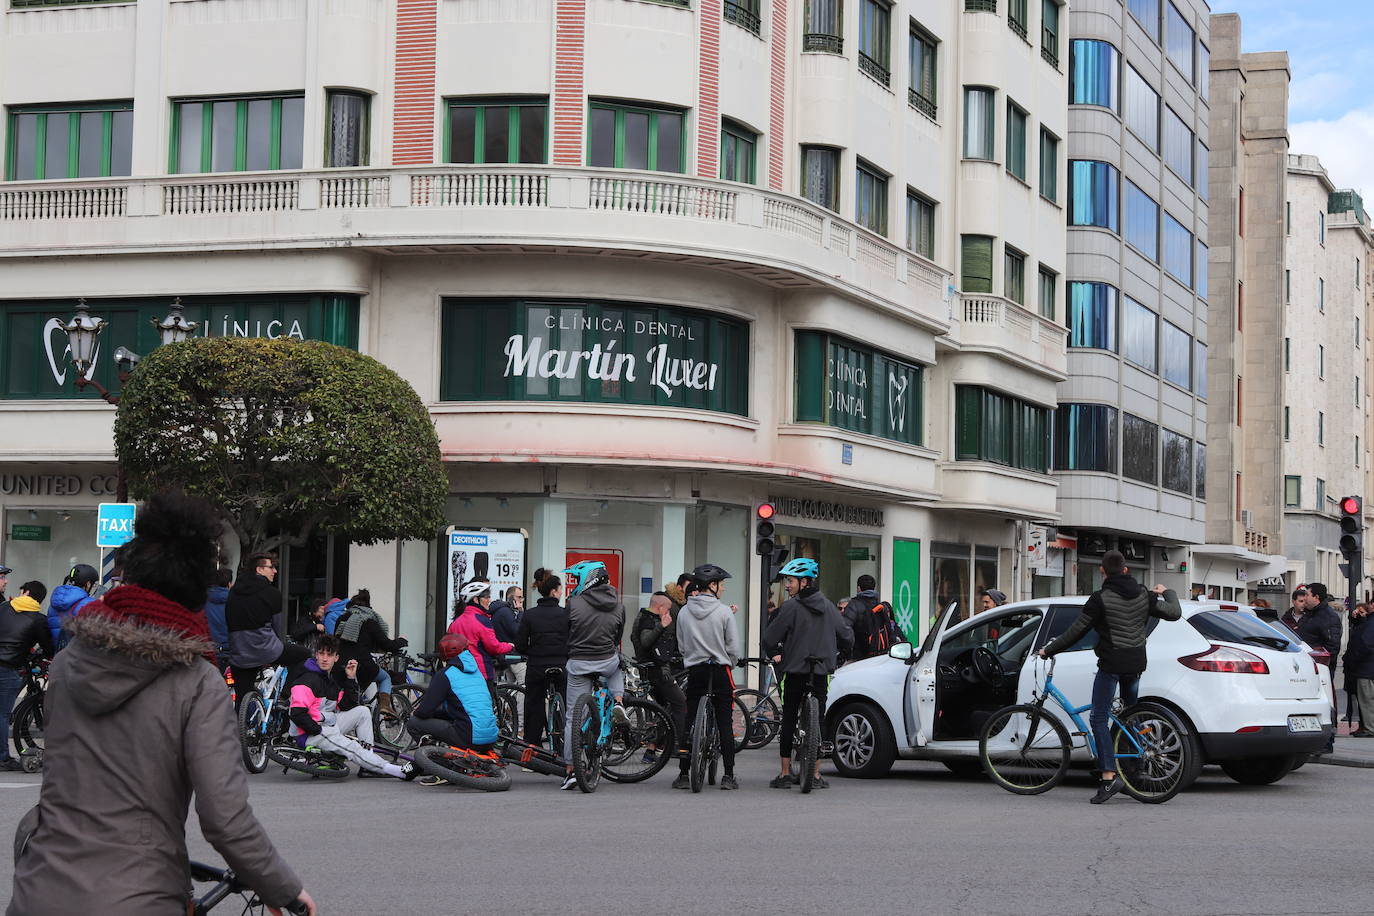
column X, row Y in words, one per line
column 875, row 626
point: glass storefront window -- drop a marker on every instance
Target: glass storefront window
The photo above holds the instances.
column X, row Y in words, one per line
column 43, row 544
column 959, row 573
column 842, row 559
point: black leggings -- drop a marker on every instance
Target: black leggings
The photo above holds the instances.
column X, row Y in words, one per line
column 793, row 689
column 536, row 693
column 710, row 678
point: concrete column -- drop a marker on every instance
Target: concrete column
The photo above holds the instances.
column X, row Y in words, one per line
column 150, row 101
column 415, row 610
column 549, row 540
column 375, row 568
column 671, row 559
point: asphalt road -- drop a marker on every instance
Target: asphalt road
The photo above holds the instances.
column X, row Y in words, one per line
column 921, row 841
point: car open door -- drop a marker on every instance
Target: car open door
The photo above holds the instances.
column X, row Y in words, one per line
column 918, row 691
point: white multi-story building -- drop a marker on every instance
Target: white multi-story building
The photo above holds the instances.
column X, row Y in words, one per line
column 648, row 263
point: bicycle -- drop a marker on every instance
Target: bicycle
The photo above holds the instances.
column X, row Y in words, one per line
column 602, row 746
column 763, row 706
column 262, row 717
column 742, row 719
column 227, row 884
column 806, row 739
column 27, row 720
column 482, row 770
column 1025, row 748
column 705, row 748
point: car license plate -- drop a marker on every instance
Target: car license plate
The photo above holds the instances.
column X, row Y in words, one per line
column 1304, row 724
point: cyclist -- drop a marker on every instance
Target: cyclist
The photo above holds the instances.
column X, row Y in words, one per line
column 656, row 649
column 362, row 633
column 806, row 626
column 1120, row 612
column 596, row 619
column 456, row 707
column 474, row 624
column 542, row 638
column 22, row 628
column 709, row 642
column 69, row 598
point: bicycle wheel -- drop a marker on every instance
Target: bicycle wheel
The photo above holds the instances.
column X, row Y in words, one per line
column 252, row 735
column 764, row 717
column 586, row 742
column 507, row 717
column 411, row 692
column 26, row 725
column 313, row 763
column 703, row 727
column 1159, row 756
column 514, row 696
column 811, row 741
column 390, row 727
column 649, row 731
column 463, row 768
column 555, row 724
column 1025, row 749
column 741, row 723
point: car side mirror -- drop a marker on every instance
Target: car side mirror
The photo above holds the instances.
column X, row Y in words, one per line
column 902, row 650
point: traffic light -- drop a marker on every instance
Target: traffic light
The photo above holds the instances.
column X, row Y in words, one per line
column 1352, row 540
column 763, row 530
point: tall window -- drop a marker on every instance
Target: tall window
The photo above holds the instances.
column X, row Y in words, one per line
column 1178, row 462
column 1178, row 250
column 1139, row 449
column 1142, row 221
column 870, row 198
column 1321, row 495
column 743, row 13
column 975, row 263
column 1085, row 438
column 1287, row 286
column 347, row 144
column 1200, row 472
column 1321, row 361
column 1093, row 194
column 1049, row 166
column 1049, row 31
column 1094, row 68
column 1287, row 423
column 1203, row 175
column 1176, row 355
column 821, row 176
column 70, row 141
column 1049, row 282
column 875, row 40
column 920, row 225
column 991, row 426
column 1204, row 66
column 737, row 147
column 1321, row 294
column 824, row 26
column 1178, row 42
column 979, row 122
column 1092, row 315
column 1141, row 104
column 1200, row 269
column 1178, row 145
column 635, row 137
column 1200, row 369
column 923, row 49
column 1016, row 140
column 1146, row 12
column 501, row 131
column 1292, row 491
column 1321, row 227
column 238, row 134
column 1139, row 335
column 1017, row 17
column 1014, row 275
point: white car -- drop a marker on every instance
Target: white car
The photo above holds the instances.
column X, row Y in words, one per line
column 1247, row 695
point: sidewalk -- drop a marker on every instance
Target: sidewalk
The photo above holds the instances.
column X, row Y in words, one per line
column 1350, row 752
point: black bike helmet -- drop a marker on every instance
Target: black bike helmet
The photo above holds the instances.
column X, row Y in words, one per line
column 82, row 575
column 707, row 573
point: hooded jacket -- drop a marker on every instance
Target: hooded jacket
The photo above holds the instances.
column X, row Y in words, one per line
column 250, row 612
column 808, row 626
column 504, row 619
column 137, row 724
column 361, row 634
column 858, row 613
column 654, row 643
column 543, row 634
column 22, row 626
column 461, row 696
column 475, row 625
column 317, row 698
column 1320, row 628
column 1120, row 612
column 1359, row 654
column 706, row 632
column 596, row 620
column 66, row 601
column 214, row 615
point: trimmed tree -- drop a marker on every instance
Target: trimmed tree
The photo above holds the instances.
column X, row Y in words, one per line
column 289, row 438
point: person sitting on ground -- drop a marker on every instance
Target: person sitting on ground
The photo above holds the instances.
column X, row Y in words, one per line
column 328, row 716
column 474, row 625
column 362, row 633
column 22, row 627
column 456, row 706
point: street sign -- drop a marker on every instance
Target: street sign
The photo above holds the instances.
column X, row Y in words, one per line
column 31, row 532
column 906, row 586
column 115, row 524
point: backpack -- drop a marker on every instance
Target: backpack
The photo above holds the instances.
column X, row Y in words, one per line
column 884, row 630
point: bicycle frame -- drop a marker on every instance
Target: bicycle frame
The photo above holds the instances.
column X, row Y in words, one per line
column 1075, row 713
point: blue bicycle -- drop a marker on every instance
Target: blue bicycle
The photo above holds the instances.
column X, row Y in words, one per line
column 617, row 749
column 262, row 717
column 1026, row 748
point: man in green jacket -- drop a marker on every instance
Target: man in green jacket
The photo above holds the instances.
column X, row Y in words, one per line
column 1120, row 612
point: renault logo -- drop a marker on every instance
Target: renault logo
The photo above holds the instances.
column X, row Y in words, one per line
column 1295, row 667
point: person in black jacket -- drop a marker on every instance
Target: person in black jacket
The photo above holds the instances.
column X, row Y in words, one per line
column 858, row 613
column 542, row 637
column 1320, row 628
column 1359, row 668
column 361, row 632
column 655, row 640
column 22, row 626
column 252, row 614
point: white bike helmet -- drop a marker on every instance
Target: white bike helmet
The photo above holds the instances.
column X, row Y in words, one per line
column 474, row 589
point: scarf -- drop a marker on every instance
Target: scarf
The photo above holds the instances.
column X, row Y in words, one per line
column 144, row 607
column 358, row 615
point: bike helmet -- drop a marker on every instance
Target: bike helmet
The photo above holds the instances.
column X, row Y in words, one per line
column 801, row 568
column 587, row 573
column 82, row 575
column 5, row 570
column 452, row 646
column 475, row 588
column 707, row 573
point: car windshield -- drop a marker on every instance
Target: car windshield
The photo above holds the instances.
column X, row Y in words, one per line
column 1232, row 626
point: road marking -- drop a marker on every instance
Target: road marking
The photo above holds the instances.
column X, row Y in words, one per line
column 20, row 785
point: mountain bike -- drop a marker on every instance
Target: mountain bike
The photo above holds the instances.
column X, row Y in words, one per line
column 705, row 749
column 227, row 884
column 741, row 719
column 1025, row 748
column 763, row 706
column 616, row 749
column 262, row 717
column 806, row 741
column 27, row 720
column 482, row 770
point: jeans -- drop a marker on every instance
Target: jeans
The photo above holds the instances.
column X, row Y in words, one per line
column 579, row 683
column 383, row 681
column 1104, row 691
column 11, row 682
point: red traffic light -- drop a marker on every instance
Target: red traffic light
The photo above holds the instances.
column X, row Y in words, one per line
column 765, row 510
column 1350, row 505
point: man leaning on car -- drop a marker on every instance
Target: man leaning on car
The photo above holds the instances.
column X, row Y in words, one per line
column 1320, row 627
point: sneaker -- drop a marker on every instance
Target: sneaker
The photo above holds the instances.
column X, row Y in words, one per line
column 569, row 783
column 618, row 715
column 819, row 783
column 728, row 781
column 1106, row 790
column 649, row 757
column 1362, row 733
column 796, row 779
column 365, row 773
column 682, row 782
column 780, row 782
column 10, row 765
column 432, row 781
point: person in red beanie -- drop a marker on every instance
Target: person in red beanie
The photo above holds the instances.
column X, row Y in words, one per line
column 138, row 722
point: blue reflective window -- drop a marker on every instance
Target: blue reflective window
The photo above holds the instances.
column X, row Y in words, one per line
column 1092, row 316
column 1178, row 250
column 1142, row 221
column 1094, row 71
column 1085, row 438
column 1093, row 194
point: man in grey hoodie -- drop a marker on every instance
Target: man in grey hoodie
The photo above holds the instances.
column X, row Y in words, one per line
column 709, row 643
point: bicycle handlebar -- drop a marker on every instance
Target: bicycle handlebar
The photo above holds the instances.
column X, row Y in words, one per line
column 226, row 883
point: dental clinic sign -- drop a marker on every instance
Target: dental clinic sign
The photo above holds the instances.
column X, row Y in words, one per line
column 596, row 351
column 848, row 385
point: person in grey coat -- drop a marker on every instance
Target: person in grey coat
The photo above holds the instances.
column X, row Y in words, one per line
column 139, row 722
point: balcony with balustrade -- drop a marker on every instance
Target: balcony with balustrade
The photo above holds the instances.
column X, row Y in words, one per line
column 996, row 325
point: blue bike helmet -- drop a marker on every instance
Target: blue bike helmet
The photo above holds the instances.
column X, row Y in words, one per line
column 801, row 568
column 587, row 573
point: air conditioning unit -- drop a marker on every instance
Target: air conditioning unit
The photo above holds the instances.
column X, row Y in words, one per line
column 1247, row 519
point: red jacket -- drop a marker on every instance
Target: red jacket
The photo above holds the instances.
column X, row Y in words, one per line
column 480, row 636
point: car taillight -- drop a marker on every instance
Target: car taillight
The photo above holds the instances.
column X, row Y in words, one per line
column 1226, row 659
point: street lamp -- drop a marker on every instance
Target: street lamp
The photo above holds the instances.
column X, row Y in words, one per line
column 82, row 332
column 175, row 328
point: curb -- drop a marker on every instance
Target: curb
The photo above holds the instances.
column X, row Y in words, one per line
column 1343, row 760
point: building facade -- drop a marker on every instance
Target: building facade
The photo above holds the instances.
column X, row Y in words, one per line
column 1130, row 438
column 649, row 264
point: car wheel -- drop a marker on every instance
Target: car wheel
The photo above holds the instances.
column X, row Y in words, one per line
column 1259, row 771
column 863, row 742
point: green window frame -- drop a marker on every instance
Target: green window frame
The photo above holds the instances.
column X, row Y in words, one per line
column 92, row 140
column 870, row 198
column 875, row 40
column 1049, row 32
column 1292, row 491
column 347, row 140
column 849, row 385
column 995, row 427
column 924, row 51
column 738, row 149
column 1049, row 283
column 1016, row 140
column 920, row 224
column 613, row 130
column 237, row 134
column 975, row 264
column 497, row 131
column 1014, row 275
column 1049, row 166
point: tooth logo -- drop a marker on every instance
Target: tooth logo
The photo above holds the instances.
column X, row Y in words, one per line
column 58, row 366
column 896, row 402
